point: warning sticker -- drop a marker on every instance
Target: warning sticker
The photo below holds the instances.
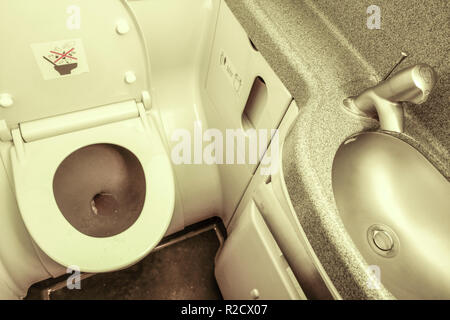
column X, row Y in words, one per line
column 60, row 58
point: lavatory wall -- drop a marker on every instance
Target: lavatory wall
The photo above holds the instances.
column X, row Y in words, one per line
column 178, row 35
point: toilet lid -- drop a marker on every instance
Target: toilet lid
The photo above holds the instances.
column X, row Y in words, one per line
column 33, row 177
column 103, row 56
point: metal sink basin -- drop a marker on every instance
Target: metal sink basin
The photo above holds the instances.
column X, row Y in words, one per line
column 396, row 207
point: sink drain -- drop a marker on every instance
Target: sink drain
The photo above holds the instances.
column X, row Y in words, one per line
column 383, row 240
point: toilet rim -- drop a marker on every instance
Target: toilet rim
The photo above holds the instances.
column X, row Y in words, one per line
column 33, row 179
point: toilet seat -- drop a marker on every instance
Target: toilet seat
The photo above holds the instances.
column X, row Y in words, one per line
column 33, row 177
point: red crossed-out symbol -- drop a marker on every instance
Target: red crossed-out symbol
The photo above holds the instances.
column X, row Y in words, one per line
column 63, row 55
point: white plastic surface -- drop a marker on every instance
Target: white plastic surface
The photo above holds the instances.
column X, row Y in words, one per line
column 179, row 35
column 52, row 126
column 19, row 264
column 6, row 100
column 56, row 236
column 130, row 77
column 233, row 59
column 251, row 262
column 108, row 54
column 122, row 27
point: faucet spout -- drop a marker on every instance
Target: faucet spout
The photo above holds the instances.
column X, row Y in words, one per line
column 384, row 101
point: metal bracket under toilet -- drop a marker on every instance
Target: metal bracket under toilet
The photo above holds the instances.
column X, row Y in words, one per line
column 166, row 242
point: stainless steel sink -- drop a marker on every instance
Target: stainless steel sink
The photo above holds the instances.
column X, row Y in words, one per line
column 396, row 207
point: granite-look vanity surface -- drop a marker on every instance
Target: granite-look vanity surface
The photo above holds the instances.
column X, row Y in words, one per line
column 323, row 52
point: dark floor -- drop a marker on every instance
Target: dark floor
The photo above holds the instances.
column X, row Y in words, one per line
column 184, row 270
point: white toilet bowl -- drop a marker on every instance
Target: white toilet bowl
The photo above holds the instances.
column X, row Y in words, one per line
column 75, row 106
column 145, row 170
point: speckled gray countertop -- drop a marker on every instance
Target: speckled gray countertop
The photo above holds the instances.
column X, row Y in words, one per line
column 323, row 53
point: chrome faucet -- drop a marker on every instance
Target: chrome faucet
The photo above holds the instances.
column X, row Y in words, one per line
column 384, row 100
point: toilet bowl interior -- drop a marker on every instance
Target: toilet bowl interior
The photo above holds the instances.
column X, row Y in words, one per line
column 99, row 159
column 100, row 189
